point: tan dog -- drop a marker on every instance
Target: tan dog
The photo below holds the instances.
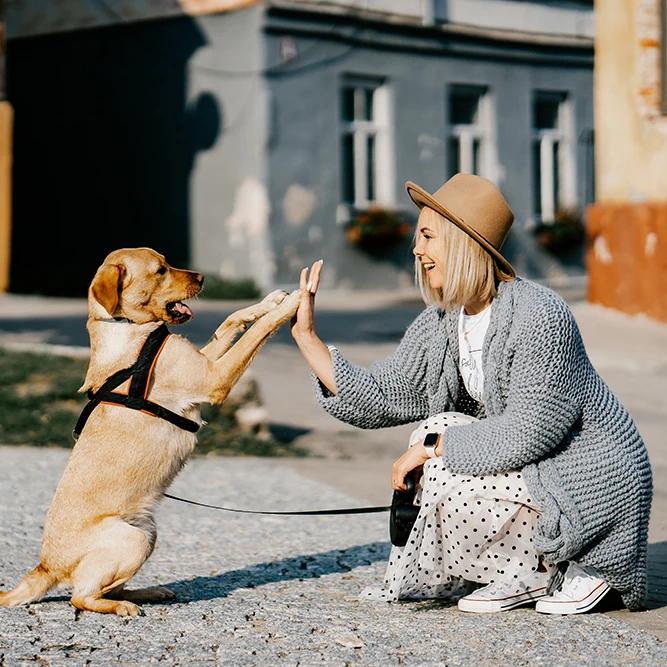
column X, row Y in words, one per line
column 100, row 529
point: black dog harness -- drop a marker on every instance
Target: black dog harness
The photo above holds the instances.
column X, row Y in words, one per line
column 139, row 374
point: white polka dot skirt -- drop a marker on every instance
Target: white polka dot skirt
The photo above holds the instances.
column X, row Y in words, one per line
column 469, row 529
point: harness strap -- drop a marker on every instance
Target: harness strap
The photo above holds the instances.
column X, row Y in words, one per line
column 139, row 374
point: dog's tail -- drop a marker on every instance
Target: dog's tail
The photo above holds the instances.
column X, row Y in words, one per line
column 32, row 587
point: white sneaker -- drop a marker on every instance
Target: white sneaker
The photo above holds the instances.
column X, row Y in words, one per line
column 580, row 591
column 504, row 595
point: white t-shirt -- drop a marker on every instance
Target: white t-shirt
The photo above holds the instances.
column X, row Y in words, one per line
column 472, row 330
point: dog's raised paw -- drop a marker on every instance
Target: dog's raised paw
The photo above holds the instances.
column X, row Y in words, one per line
column 276, row 297
column 290, row 304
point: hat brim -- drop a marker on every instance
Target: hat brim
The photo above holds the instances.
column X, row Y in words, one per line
column 422, row 198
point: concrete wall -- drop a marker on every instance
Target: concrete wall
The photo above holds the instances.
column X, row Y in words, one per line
column 230, row 207
column 304, row 155
column 557, row 17
column 631, row 131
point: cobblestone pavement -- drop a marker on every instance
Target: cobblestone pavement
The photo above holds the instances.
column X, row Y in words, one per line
column 268, row 590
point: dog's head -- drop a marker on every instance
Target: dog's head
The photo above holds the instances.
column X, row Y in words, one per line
column 137, row 283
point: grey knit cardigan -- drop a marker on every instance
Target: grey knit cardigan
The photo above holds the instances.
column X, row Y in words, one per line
column 546, row 412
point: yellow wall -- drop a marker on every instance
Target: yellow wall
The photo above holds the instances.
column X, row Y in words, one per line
column 631, row 131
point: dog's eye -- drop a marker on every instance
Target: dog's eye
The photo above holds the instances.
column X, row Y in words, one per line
column 162, row 270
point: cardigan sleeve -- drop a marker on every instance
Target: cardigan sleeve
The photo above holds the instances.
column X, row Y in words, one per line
column 390, row 392
column 542, row 404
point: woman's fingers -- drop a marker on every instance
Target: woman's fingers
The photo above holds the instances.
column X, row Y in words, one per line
column 412, row 459
column 309, row 280
column 398, row 477
column 314, row 281
column 303, row 322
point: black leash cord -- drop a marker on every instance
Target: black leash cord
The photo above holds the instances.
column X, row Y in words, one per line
column 350, row 510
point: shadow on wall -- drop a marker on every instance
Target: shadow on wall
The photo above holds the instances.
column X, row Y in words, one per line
column 103, row 147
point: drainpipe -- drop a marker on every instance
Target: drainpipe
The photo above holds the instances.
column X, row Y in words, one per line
column 6, row 118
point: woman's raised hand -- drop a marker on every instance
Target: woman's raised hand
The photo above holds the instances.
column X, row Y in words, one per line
column 315, row 352
column 303, row 323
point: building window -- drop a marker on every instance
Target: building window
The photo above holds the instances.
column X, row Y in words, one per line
column 552, row 159
column 366, row 159
column 468, row 130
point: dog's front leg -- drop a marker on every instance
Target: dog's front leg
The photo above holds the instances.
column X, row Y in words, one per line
column 227, row 370
column 238, row 322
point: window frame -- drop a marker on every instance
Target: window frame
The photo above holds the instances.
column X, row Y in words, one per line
column 552, row 200
column 378, row 127
column 467, row 133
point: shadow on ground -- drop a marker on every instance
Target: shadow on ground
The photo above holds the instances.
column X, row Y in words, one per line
column 657, row 575
column 310, row 566
column 313, row 566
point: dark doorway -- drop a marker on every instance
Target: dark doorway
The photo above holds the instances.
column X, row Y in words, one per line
column 104, row 144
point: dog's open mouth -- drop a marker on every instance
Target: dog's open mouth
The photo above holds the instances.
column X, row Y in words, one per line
column 178, row 311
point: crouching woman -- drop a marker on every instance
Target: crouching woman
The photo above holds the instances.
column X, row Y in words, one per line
column 535, row 482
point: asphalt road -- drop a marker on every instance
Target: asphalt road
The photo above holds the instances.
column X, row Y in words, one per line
column 269, row 590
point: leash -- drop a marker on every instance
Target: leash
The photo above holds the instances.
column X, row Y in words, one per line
column 347, row 510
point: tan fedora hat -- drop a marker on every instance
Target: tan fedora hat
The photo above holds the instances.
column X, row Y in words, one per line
column 476, row 206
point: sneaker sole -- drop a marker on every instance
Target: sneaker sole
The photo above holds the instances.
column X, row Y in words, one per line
column 574, row 606
column 494, row 606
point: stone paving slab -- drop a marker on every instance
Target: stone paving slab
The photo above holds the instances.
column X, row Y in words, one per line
column 268, row 590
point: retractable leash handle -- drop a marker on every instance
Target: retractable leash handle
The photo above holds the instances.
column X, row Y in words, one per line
column 403, row 513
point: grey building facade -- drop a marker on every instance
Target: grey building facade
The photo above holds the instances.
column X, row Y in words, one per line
column 241, row 142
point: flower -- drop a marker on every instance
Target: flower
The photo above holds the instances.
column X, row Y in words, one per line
column 563, row 235
column 376, row 230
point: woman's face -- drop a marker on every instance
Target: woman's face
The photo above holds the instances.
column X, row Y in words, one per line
column 429, row 251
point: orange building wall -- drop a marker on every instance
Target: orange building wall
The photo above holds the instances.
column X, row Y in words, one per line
column 627, row 227
column 627, row 257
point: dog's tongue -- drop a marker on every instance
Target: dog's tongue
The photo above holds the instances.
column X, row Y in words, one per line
column 181, row 308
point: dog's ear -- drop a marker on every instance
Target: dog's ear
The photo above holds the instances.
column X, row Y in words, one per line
column 106, row 286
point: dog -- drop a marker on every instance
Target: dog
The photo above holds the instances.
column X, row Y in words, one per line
column 99, row 529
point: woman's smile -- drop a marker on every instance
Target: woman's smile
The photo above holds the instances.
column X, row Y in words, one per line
column 429, row 252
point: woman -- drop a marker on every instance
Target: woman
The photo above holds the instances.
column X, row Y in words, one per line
column 536, row 483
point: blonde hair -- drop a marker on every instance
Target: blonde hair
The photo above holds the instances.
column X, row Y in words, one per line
column 469, row 272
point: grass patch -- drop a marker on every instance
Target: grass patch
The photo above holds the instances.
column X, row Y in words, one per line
column 216, row 287
column 39, row 405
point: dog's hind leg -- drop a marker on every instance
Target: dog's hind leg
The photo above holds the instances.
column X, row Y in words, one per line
column 238, row 322
column 120, row 550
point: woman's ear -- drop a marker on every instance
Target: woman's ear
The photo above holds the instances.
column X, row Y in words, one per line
column 106, row 286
